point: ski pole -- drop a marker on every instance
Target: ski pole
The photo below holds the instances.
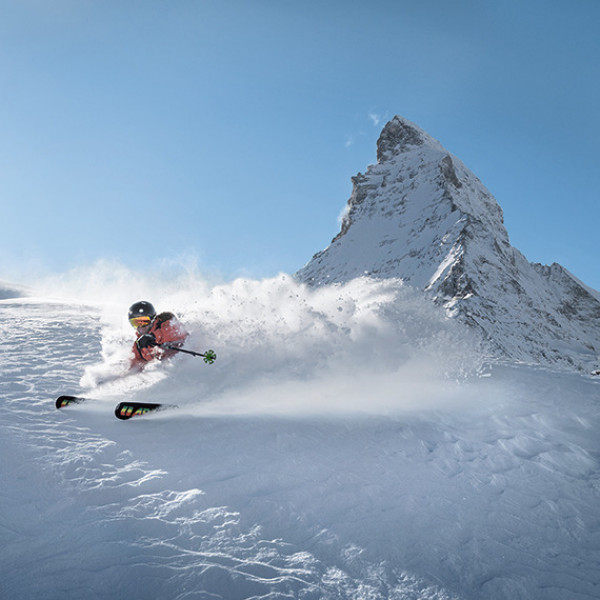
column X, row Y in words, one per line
column 209, row 356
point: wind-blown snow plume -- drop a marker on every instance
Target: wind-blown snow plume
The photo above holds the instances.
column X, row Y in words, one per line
column 284, row 347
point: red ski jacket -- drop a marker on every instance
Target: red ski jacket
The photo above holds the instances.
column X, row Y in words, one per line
column 166, row 329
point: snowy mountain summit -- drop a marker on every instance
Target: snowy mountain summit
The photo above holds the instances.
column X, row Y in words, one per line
column 420, row 215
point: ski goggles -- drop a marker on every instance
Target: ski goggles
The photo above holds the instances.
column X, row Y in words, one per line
column 140, row 321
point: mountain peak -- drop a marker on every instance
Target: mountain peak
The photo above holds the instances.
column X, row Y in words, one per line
column 420, row 216
column 399, row 135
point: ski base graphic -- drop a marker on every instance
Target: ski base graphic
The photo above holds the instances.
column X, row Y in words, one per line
column 128, row 410
column 63, row 401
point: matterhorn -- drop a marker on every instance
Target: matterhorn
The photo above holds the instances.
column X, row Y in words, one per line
column 422, row 217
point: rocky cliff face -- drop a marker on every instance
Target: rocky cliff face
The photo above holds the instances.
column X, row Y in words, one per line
column 420, row 216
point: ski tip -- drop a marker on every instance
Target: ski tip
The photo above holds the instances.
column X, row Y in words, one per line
column 129, row 410
column 63, row 401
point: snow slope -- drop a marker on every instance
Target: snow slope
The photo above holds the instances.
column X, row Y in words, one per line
column 420, row 215
column 349, row 442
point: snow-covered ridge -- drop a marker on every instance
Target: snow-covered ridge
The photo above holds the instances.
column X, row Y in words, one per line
column 9, row 290
column 420, row 215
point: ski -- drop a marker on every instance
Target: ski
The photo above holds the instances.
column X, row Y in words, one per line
column 128, row 410
column 123, row 410
column 63, row 401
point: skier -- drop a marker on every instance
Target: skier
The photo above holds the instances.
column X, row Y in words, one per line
column 153, row 330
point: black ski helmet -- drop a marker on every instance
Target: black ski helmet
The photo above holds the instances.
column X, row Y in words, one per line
column 142, row 309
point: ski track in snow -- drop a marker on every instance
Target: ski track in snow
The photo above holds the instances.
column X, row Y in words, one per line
column 491, row 496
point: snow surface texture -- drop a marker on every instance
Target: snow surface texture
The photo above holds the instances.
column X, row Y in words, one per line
column 419, row 215
column 349, row 443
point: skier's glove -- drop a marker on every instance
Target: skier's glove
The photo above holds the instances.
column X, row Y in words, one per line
column 146, row 341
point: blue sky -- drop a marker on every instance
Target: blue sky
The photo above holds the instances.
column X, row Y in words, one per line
column 224, row 133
